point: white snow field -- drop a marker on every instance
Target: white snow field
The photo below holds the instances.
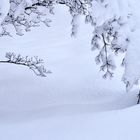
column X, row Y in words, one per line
column 72, row 103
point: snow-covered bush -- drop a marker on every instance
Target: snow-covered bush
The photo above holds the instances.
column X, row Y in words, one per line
column 114, row 23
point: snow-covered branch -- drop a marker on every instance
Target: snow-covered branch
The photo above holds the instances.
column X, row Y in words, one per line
column 33, row 63
column 106, row 40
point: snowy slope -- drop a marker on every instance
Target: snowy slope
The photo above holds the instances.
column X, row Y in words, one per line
column 113, row 125
column 70, row 103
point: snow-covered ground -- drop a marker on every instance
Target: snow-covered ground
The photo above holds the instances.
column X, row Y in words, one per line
column 72, row 103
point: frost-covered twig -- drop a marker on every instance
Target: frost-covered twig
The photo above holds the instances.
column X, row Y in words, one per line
column 33, row 63
column 108, row 65
column 106, row 41
column 24, row 15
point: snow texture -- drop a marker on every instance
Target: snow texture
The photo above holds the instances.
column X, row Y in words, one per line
column 74, row 102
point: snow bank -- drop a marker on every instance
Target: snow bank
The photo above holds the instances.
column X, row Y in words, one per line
column 112, row 125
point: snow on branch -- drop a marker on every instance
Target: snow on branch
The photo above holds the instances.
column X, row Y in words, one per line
column 76, row 9
column 106, row 39
column 33, row 63
column 25, row 14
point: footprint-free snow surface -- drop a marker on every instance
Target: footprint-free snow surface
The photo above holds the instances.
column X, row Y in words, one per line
column 71, row 103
